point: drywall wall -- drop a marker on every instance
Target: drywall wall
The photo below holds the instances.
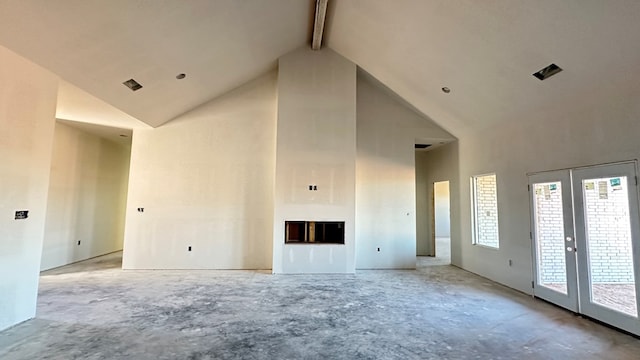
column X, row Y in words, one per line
column 27, row 111
column 441, row 200
column 387, row 129
column 316, row 145
column 205, row 181
column 439, row 164
column 87, row 197
column 595, row 127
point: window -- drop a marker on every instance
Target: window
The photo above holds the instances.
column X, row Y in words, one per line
column 485, row 210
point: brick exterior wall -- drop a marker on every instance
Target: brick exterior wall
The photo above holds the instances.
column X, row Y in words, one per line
column 609, row 231
column 486, row 215
column 550, row 233
column 609, row 239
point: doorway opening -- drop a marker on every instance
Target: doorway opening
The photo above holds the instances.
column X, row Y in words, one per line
column 441, row 222
column 87, row 193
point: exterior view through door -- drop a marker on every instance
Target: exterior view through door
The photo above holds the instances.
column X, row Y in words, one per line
column 585, row 231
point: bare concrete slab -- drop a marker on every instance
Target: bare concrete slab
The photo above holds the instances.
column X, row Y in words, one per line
column 94, row 310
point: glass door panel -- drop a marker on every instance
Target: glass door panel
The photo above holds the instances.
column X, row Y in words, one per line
column 552, row 224
column 608, row 239
column 549, row 228
column 607, row 235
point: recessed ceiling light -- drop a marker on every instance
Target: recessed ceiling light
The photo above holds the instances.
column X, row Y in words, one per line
column 446, row 90
column 181, row 76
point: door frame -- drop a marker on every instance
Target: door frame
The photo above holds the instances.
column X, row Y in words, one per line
column 583, row 304
column 434, row 214
column 587, row 307
column 569, row 300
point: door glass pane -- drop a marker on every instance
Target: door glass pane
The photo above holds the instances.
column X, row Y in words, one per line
column 608, row 236
column 549, row 227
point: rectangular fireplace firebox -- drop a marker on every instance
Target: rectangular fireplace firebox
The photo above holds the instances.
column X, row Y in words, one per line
column 314, row 232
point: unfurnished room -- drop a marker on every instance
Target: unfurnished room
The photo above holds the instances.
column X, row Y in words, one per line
column 319, row 179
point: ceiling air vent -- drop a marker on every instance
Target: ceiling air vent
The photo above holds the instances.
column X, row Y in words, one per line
column 548, row 72
column 422, row 146
column 132, row 84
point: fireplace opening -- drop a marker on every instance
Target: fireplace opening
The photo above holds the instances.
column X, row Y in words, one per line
column 314, row 232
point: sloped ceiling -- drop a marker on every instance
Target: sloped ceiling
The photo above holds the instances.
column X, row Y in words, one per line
column 77, row 105
column 485, row 51
column 97, row 44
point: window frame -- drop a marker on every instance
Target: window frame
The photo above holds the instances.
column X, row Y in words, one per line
column 475, row 236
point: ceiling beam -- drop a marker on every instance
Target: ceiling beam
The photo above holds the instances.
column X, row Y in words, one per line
column 318, row 24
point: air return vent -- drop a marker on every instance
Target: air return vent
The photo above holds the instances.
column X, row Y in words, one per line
column 548, row 72
column 422, row 146
column 132, row 84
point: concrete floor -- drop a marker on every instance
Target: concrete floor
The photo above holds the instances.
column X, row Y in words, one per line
column 94, row 310
column 619, row 297
column 443, row 252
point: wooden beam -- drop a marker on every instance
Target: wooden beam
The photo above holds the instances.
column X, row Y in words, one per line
column 318, row 24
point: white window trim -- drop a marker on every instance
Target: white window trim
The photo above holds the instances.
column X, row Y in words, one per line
column 474, row 213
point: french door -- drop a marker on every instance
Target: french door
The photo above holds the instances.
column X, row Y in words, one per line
column 586, row 241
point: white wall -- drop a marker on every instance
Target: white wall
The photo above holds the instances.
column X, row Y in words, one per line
column 441, row 199
column 205, row 180
column 27, row 110
column 87, row 197
column 316, row 145
column 387, row 129
column 599, row 127
column 439, row 164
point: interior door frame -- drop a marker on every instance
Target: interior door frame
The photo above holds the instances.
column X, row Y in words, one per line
column 569, row 301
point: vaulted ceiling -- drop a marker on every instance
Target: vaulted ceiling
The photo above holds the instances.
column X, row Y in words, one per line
column 484, row 51
column 97, row 44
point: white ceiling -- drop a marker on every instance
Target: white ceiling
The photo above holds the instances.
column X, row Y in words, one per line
column 98, row 44
column 77, row 105
column 485, row 51
column 120, row 136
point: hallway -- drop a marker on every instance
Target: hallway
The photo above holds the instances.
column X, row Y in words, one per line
column 94, row 310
